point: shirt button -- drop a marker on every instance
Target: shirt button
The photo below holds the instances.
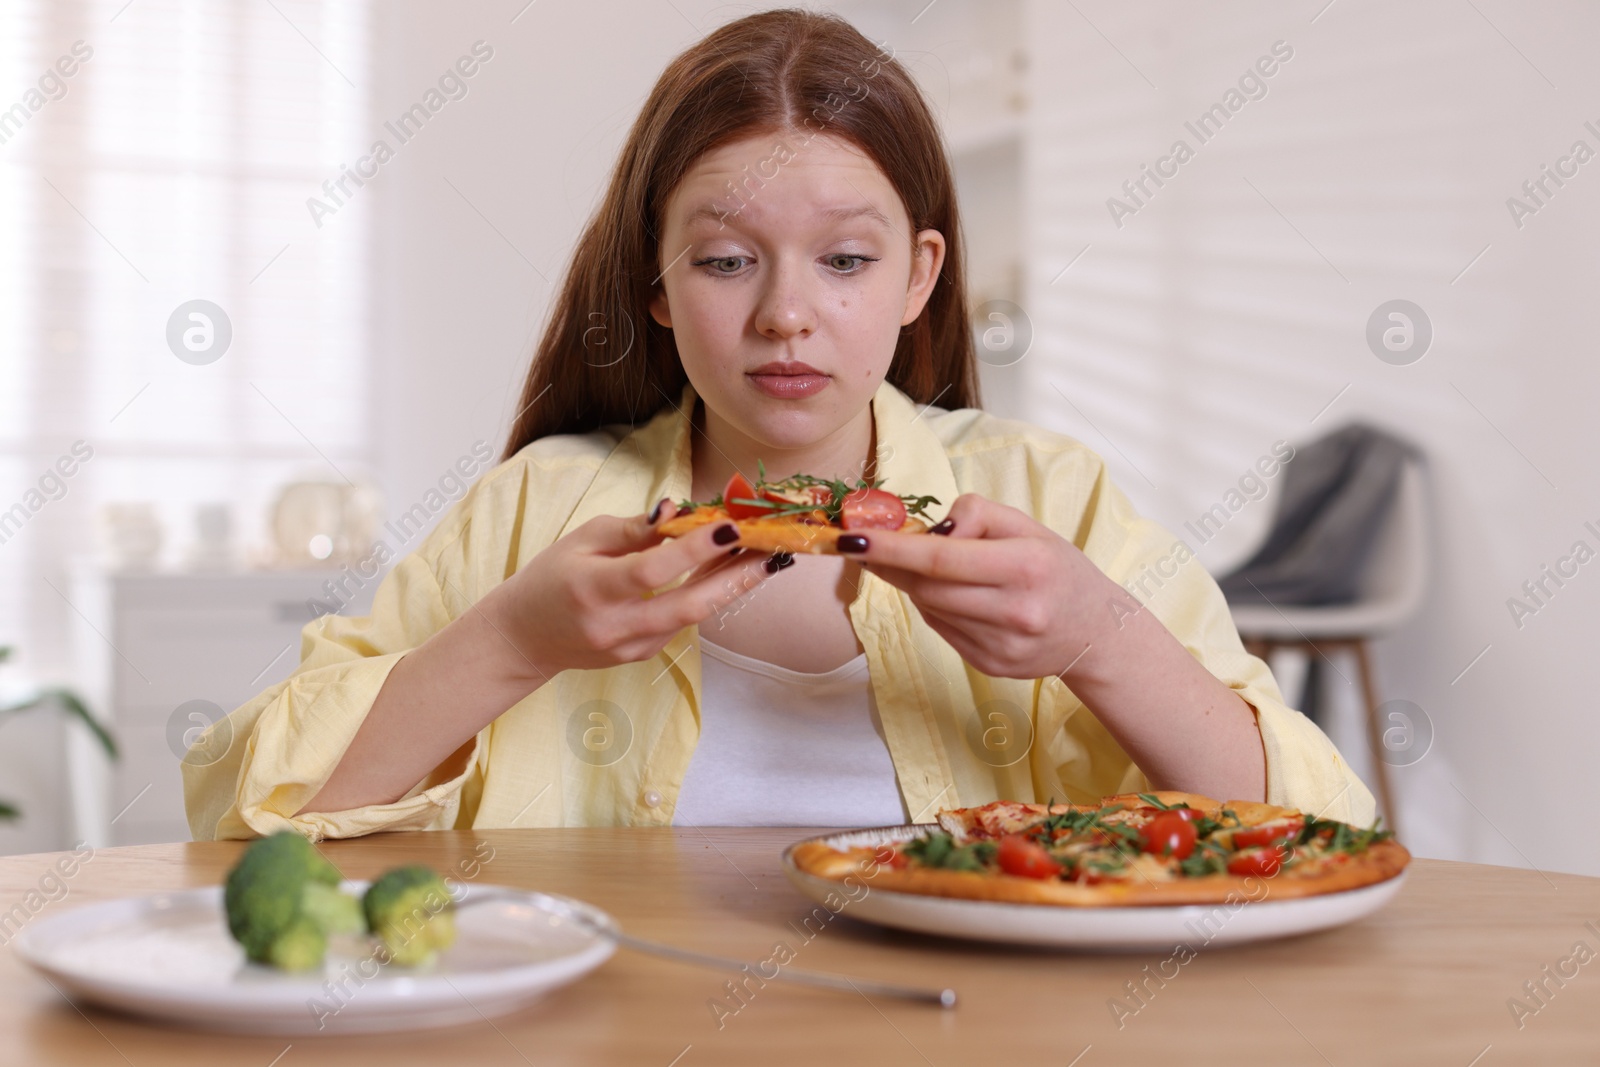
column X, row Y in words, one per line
column 652, row 799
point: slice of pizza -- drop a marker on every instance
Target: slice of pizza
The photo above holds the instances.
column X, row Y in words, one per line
column 802, row 513
column 1131, row 849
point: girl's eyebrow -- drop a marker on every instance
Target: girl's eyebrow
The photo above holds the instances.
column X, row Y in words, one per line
column 717, row 213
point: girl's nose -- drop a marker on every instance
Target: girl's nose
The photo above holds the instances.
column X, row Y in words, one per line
column 786, row 307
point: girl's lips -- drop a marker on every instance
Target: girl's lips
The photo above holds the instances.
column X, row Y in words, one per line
column 790, row 386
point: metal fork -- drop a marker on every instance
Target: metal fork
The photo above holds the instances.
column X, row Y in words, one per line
column 944, row 998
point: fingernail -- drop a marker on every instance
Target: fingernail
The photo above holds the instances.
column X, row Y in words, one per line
column 655, row 512
column 734, row 551
column 852, row 543
column 778, row 561
column 725, row 534
column 944, row 527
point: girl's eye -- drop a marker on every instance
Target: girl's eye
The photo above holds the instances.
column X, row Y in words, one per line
column 860, row 260
column 718, row 262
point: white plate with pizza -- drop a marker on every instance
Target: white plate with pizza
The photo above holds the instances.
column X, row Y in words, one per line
column 1136, row 871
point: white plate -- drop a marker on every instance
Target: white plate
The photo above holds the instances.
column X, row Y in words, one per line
column 1125, row 929
column 171, row 957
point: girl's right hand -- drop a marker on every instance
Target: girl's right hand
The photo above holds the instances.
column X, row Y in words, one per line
column 589, row 600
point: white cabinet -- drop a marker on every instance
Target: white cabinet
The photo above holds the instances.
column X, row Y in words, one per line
column 157, row 654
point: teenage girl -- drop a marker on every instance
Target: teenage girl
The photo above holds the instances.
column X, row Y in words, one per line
column 775, row 277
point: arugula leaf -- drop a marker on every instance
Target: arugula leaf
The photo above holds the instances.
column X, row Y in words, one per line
column 801, row 483
column 1075, row 821
column 1078, row 822
column 1342, row 836
column 690, row 505
column 938, row 849
column 930, row 849
column 1365, row 839
column 977, row 856
column 1207, row 858
column 1150, row 799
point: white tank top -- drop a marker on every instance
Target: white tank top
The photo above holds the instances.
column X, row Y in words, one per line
column 784, row 748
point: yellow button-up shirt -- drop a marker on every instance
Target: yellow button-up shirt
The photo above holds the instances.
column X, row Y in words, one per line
column 610, row 747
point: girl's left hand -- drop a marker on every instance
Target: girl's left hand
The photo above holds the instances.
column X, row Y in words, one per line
column 1013, row 597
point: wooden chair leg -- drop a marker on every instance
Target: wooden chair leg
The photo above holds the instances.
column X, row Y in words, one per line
column 1380, row 767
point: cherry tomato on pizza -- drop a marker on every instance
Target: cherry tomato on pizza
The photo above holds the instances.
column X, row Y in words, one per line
column 1170, row 834
column 872, row 509
column 1025, row 858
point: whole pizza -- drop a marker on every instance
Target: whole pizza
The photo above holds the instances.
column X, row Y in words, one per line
column 803, row 513
column 1131, row 849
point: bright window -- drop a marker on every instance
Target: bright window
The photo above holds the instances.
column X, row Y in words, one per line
column 154, row 153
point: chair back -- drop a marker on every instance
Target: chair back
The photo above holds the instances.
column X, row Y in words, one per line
column 1396, row 575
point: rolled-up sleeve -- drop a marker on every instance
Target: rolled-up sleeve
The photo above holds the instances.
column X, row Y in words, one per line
column 253, row 770
column 1304, row 768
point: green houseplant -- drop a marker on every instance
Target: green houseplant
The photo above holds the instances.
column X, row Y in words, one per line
column 67, row 701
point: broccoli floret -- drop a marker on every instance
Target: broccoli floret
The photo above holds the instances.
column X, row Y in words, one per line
column 300, row 946
column 410, row 909
column 333, row 909
column 283, row 900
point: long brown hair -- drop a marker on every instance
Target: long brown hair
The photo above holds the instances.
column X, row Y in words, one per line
column 603, row 358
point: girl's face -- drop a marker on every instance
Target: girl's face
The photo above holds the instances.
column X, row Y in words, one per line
column 786, row 304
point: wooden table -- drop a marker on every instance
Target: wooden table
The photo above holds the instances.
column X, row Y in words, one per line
column 1426, row 981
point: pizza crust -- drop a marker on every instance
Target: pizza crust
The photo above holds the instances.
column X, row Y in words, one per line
column 777, row 534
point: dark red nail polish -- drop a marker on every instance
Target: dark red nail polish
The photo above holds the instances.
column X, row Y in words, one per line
column 777, row 561
column 725, row 534
column 852, row 543
column 735, row 551
column 943, row 527
column 655, row 512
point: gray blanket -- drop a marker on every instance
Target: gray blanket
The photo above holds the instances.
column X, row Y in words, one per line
column 1336, row 494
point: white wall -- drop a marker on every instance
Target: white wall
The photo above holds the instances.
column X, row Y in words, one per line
column 1206, row 327
column 468, row 272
